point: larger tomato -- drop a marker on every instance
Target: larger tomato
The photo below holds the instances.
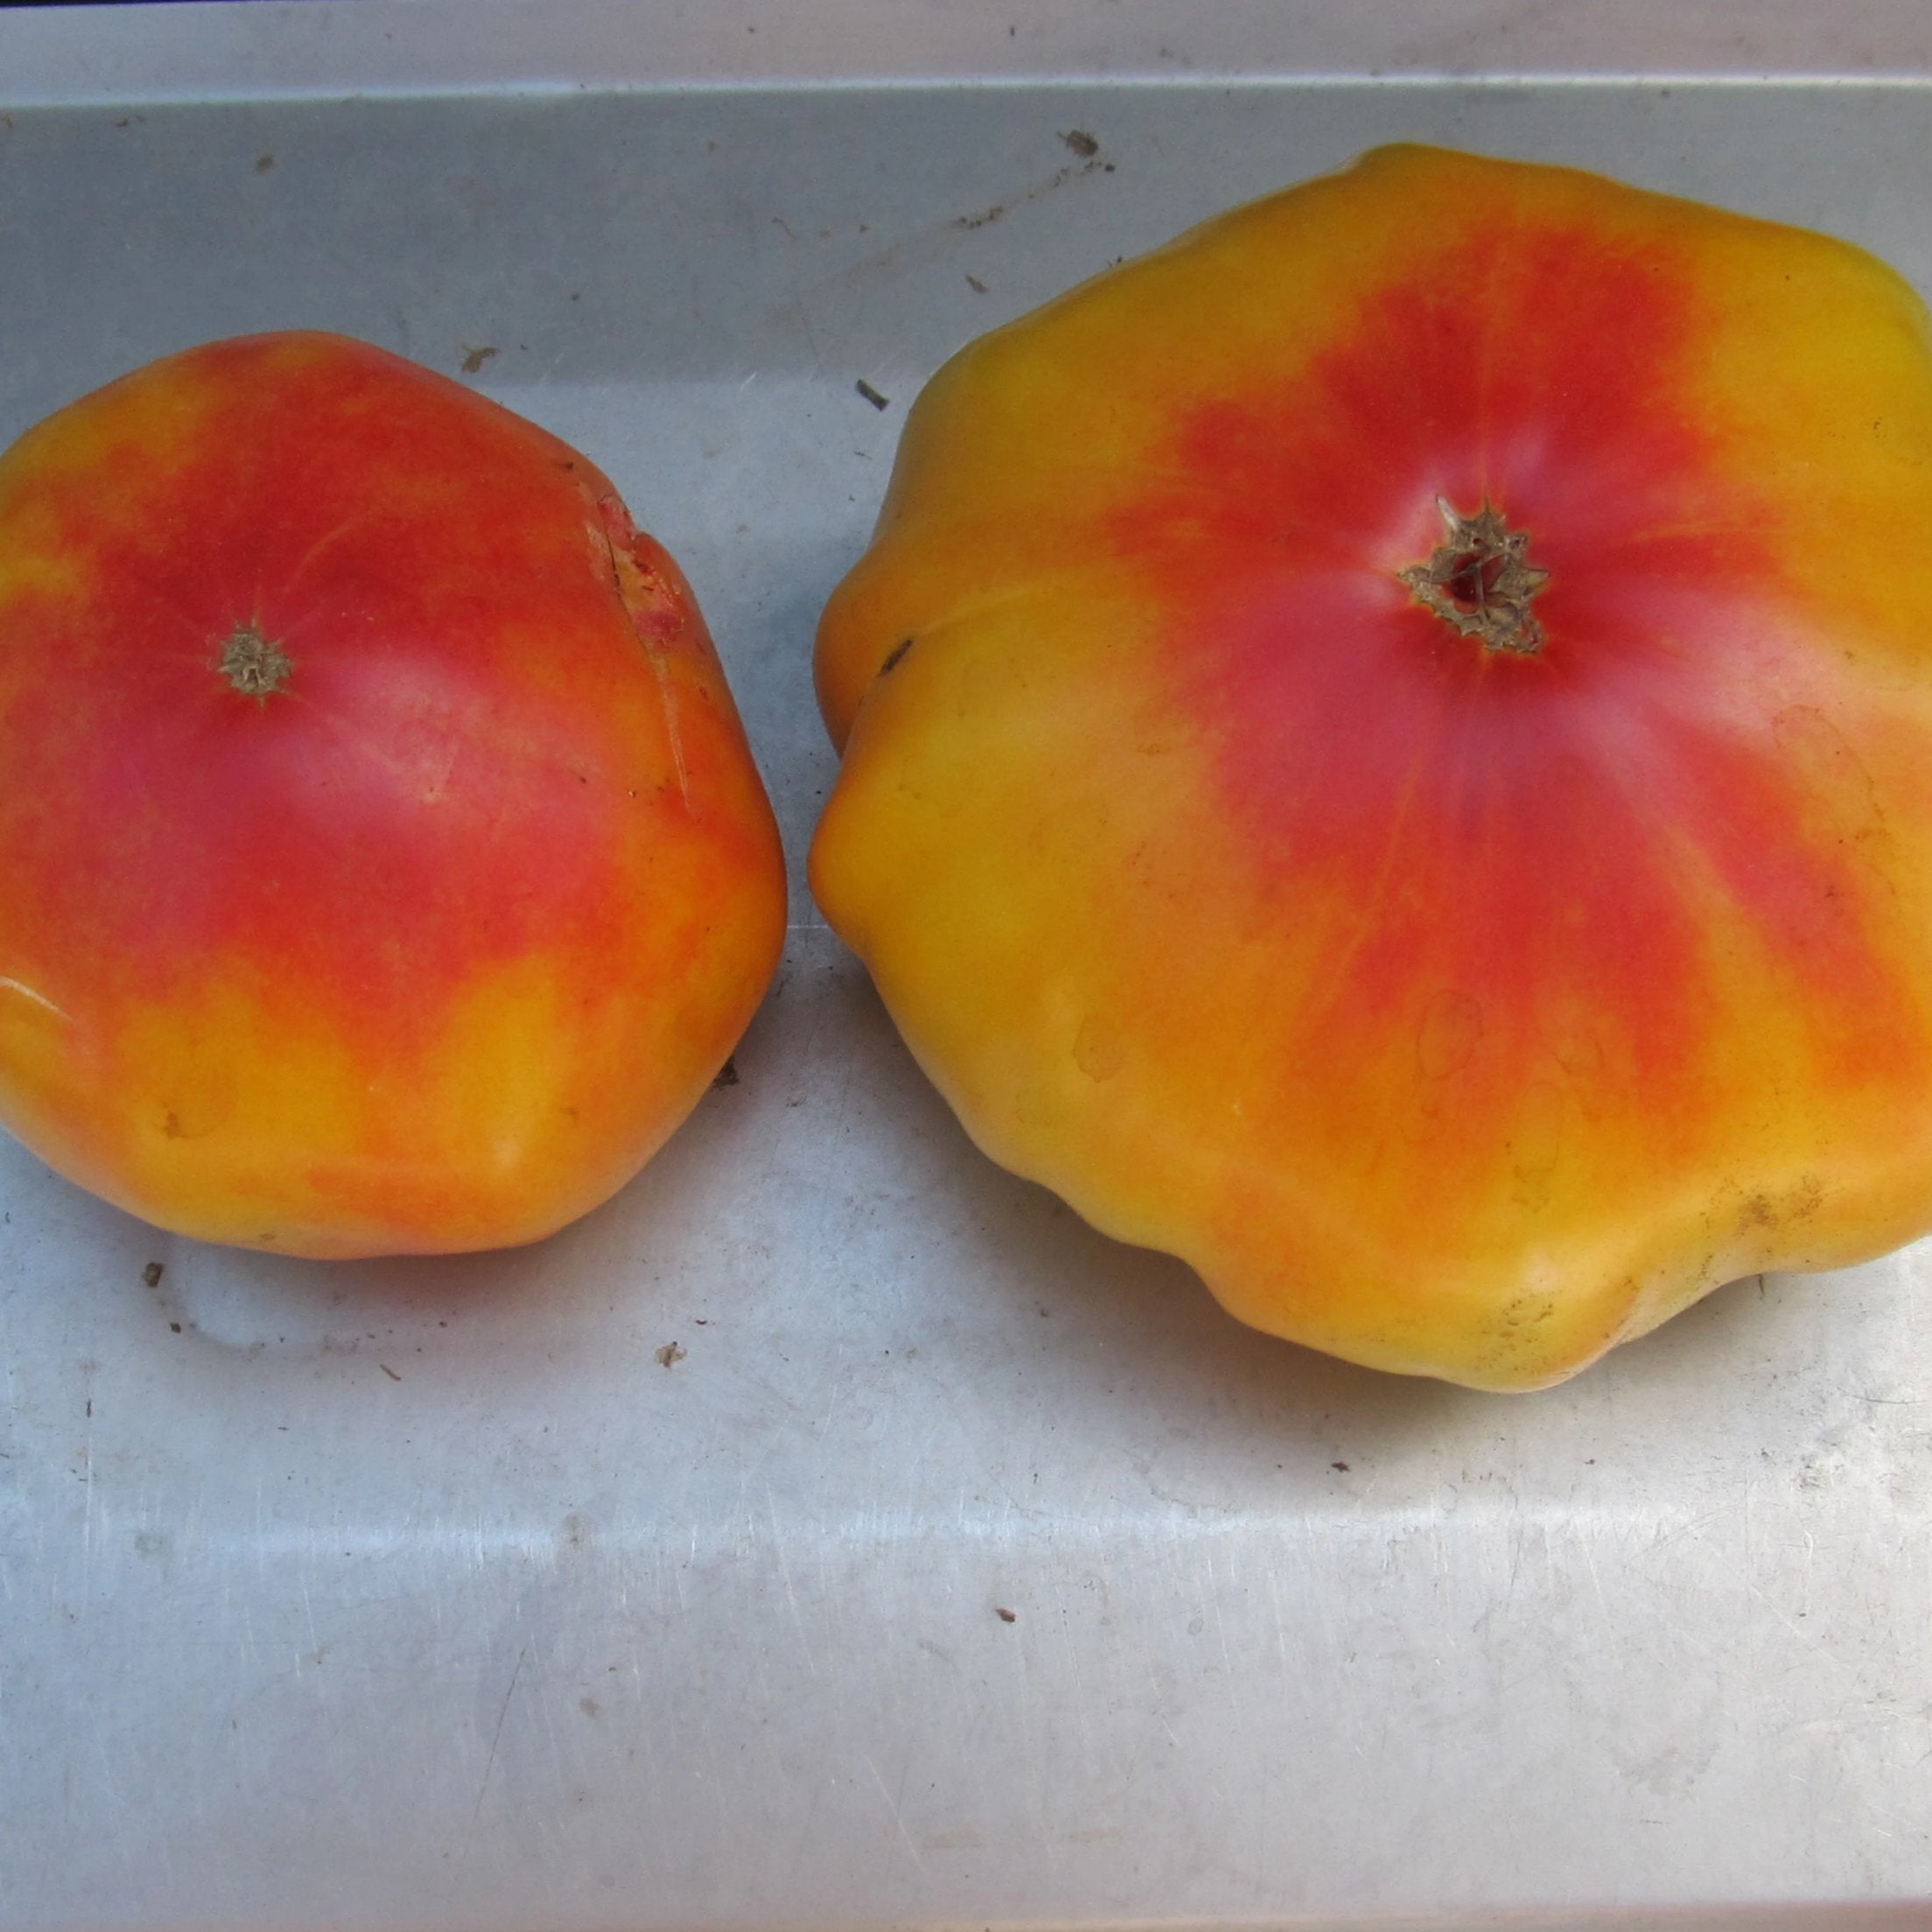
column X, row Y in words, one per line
column 1388, row 750
column 383, row 868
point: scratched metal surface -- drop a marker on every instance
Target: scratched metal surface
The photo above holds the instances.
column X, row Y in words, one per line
column 965, row 1567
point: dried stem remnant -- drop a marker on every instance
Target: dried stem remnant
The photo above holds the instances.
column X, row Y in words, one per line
column 256, row 665
column 1480, row 581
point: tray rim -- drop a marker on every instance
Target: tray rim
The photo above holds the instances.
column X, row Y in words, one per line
column 208, row 50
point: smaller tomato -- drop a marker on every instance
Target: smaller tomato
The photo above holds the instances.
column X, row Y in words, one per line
column 386, row 868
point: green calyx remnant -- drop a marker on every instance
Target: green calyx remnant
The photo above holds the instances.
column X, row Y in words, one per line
column 1480, row 581
column 256, row 665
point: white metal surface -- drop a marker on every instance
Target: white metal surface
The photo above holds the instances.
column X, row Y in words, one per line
column 965, row 1567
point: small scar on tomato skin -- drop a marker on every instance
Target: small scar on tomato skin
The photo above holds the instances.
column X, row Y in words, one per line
column 893, row 655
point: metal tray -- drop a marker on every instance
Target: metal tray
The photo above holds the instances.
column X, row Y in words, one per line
column 963, row 1567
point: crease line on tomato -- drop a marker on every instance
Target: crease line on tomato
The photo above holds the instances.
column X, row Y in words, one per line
column 315, row 550
column 666, row 697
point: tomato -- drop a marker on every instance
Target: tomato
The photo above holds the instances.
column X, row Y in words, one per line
column 382, row 866
column 1387, row 751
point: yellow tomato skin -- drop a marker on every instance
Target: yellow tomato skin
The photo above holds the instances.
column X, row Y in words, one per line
column 425, row 937
column 1460, row 1009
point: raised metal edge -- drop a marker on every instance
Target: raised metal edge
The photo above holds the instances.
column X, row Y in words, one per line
column 220, row 49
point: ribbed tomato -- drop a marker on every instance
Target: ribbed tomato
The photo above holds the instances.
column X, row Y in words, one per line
column 382, row 867
column 1387, row 751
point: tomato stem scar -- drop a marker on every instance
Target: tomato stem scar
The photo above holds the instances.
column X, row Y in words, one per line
column 1480, row 581
column 256, row 665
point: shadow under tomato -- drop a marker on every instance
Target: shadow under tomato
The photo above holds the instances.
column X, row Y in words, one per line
column 1137, row 1367
column 1129, row 1333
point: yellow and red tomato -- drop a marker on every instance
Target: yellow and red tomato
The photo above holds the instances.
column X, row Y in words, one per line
column 1387, row 751
column 382, row 866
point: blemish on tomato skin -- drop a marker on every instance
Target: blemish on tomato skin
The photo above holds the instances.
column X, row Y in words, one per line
column 1099, row 1048
column 641, row 571
column 1765, row 1210
column 1449, row 1034
column 1830, row 772
column 1536, row 1144
column 660, row 616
